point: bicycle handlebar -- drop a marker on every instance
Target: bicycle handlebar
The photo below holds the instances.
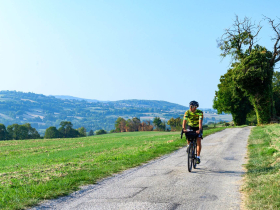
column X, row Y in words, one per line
column 188, row 133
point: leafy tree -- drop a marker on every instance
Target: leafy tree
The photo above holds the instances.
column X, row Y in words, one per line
column 253, row 64
column 251, row 118
column 32, row 132
column 91, row 133
column 254, row 76
column 100, row 132
column 175, row 124
column 51, row 133
column 160, row 125
column 230, row 99
column 157, row 122
column 129, row 125
column 67, row 131
column 163, row 126
column 136, row 122
column 120, row 125
column 66, row 124
column 146, row 126
column 132, row 124
column 3, row 132
column 19, row 132
column 82, row 131
column 74, row 133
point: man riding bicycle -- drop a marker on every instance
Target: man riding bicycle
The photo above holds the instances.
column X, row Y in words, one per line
column 194, row 119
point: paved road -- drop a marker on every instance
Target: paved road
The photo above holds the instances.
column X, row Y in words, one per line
column 166, row 183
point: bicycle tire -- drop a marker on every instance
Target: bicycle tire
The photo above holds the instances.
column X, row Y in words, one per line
column 194, row 157
column 190, row 161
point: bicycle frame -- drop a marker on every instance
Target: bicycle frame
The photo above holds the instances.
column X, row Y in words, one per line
column 192, row 153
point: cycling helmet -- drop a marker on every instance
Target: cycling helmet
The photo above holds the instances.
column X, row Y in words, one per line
column 194, row 103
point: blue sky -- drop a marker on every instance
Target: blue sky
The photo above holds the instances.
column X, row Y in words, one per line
column 114, row 50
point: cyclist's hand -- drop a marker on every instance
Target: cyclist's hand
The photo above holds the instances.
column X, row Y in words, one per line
column 197, row 131
column 185, row 130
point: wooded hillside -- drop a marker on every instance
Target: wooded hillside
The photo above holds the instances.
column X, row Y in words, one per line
column 44, row 111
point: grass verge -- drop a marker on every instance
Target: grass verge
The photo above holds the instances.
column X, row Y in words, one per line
column 262, row 185
column 34, row 170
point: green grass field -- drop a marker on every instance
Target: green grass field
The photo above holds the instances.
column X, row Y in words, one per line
column 34, row 170
column 262, row 180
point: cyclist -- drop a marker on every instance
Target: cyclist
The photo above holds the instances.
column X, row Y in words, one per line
column 194, row 119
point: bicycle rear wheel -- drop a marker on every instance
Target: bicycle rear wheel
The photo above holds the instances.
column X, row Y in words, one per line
column 190, row 157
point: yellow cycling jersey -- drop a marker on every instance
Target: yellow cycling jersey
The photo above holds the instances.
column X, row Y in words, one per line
column 193, row 117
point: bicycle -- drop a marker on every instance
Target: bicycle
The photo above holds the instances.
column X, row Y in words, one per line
column 192, row 154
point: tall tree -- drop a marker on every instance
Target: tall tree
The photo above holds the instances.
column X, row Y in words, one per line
column 252, row 64
column 163, row 126
column 82, row 132
column 32, row 132
column 51, row 133
column 3, row 132
column 129, row 125
column 120, row 124
column 132, row 124
column 17, row 132
column 136, row 122
column 67, row 131
column 65, row 128
column 231, row 99
column 175, row 124
column 157, row 122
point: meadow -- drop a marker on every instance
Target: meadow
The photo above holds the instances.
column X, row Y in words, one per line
column 35, row 170
column 262, row 185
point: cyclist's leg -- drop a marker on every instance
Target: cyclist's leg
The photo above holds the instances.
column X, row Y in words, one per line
column 189, row 128
column 198, row 146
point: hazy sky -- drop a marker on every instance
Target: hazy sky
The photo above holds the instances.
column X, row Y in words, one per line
column 113, row 50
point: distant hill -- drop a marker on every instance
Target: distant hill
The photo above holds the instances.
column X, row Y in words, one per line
column 44, row 111
column 127, row 103
column 75, row 98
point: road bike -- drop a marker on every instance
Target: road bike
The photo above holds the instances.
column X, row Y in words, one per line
column 192, row 155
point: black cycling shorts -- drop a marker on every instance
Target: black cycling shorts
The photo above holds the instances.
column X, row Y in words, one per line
column 200, row 135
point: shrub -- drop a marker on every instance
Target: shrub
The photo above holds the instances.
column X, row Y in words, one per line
column 99, row 132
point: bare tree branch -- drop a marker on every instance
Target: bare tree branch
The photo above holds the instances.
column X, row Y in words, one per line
column 277, row 59
column 240, row 34
column 276, row 47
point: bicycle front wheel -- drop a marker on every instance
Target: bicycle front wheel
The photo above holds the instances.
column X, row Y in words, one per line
column 190, row 157
column 194, row 157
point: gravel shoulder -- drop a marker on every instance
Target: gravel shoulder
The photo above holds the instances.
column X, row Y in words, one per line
column 165, row 183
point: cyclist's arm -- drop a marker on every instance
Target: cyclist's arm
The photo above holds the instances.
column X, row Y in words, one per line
column 185, row 121
column 184, row 124
column 200, row 122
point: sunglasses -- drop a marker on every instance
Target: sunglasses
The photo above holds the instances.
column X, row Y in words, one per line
column 193, row 106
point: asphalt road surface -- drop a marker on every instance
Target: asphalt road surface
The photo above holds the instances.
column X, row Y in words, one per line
column 165, row 183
